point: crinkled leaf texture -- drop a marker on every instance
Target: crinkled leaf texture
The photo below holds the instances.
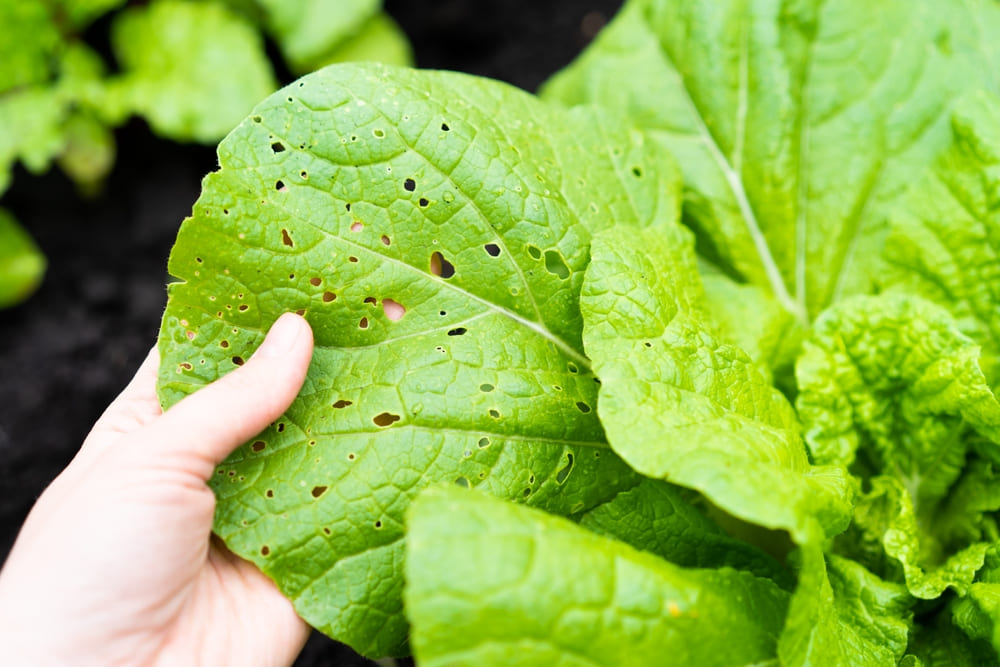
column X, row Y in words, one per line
column 798, row 124
column 678, row 403
column 893, row 376
column 433, row 229
column 945, row 238
column 493, row 583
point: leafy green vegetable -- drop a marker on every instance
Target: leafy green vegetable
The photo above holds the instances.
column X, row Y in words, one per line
column 481, row 572
column 446, row 317
column 797, row 124
column 172, row 54
column 22, row 265
column 667, row 401
column 765, row 394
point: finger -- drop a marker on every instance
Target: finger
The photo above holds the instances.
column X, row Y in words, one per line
column 135, row 407
column 202, row 429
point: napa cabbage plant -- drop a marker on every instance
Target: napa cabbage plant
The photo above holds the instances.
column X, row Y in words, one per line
column 692, row 356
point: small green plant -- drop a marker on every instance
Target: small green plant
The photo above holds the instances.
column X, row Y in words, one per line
column 192, row 69
column 767, row 435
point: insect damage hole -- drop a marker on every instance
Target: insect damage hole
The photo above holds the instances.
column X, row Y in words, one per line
column 564, row 472
column 492, row 249
column 278, row 147
column 385, row 419
column 280, row 186
column 441, row 267
column 393, row 310
column 356, row 226
column 342, row 403
column 286, row 238
column 556, row 265
column 318, row 491
column 258, row 446
column 410, row 185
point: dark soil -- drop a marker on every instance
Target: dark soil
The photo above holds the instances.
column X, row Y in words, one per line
column 71, row 348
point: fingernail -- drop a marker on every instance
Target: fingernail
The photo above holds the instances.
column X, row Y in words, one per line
column 282, row 336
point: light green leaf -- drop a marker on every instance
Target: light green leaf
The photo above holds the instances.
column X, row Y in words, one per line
column 893, row 374
column 890, row 538
column 945, row 238
column 491, row 583
column 193, row 70
column 967, row 514
column 22, row 265
column 309, row 30
column 679, row 404
column 797, row 124
column 379, row 40
column 29, row 40
column 433, row 228
column 658, row 518
column 842, row 614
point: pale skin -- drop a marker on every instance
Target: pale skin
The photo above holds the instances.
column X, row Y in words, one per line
column 116, row 563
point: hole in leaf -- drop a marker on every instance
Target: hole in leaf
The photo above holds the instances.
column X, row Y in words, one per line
column 278, row 147
column 318, row 491
column 386, row 240
column 463, row 482
column 410, row 185
column 484, row 443
column 304, row 175
column 534, row 252
column 458, row 331
column 280, row 186
column 352, row 259
column 572, row 368
column 647, row 344
column 363, row 324
column 527, row 492
column 442, row 313
column 423, row 202
column 637, row 172
column 269, row 493
column 326, row 530
column 385, row 419
column 315, row 282
column 301, row 312
column 486, row 387
column 492, row 249
column 286, row 239
column 582, row 407
column 556, row 265
column 370, row 300
column 265, row 550
column 281, row 427
column 243, row 308
column 565, row 470
column 441, row 266
column 224, row 344
column 357, row 227
column 348, row 206
column 238, row 361
column 494, row 413
column 256, row 119
column 393, row 311
column 378, row 523
column 186, row 365
column 342, row 403
column 328, row 297
column 258, row 446
column 352, row 456
column 444, row 127
column 379, row 133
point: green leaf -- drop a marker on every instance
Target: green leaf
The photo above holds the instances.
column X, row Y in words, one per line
column 894, row 375
column 309, row 30
column 890, row 538
column 433, row 229
column 667, row 401
column 842, row 614
column 22, row 265
column 945, row 238
column 379, row 40
column 491, row 583
column 81, row 13
column 797, row 124
column 28, row 42
column 656, row 517
column 192, row 70
column 939, row 643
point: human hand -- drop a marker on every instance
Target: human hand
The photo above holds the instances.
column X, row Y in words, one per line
column 116, row 563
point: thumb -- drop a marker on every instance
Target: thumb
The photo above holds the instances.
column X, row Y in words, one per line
column 202, row 429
